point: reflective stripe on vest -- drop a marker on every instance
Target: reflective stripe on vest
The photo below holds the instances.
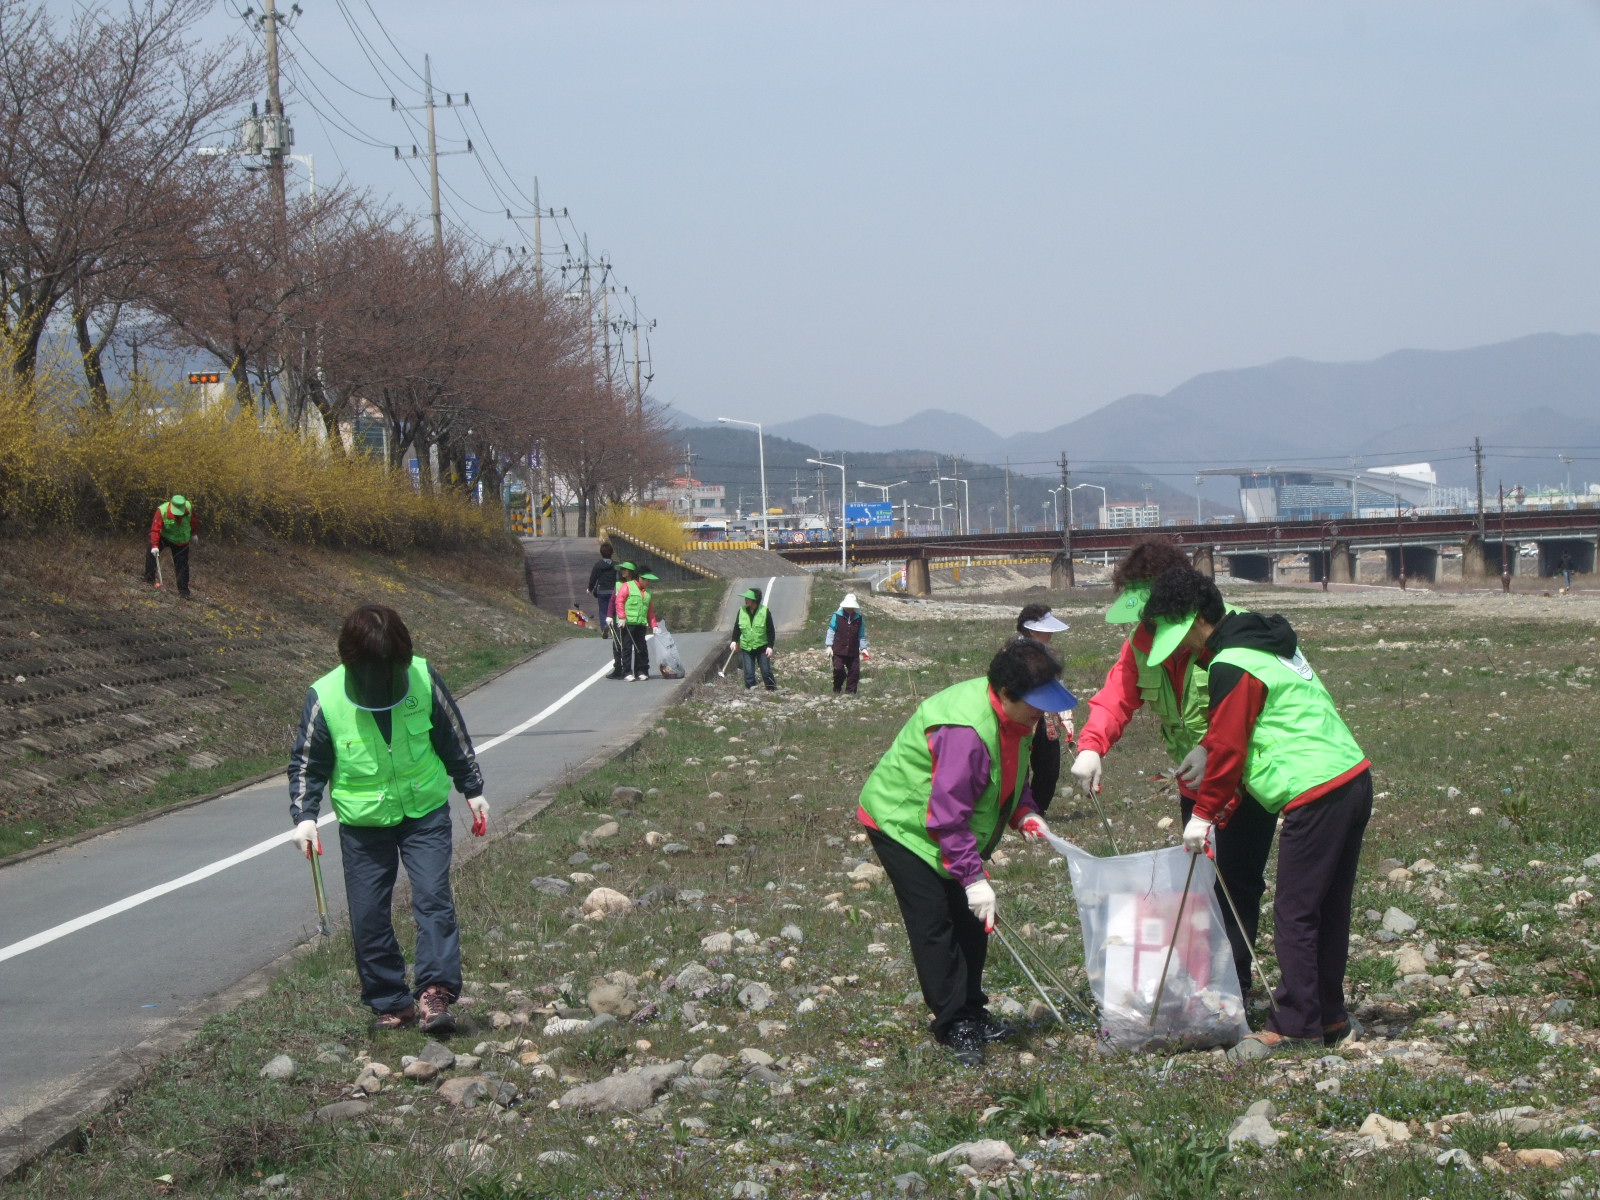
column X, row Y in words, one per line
column 376, row 782
column 1299, row 741
column 897, row 793
column 752, row 628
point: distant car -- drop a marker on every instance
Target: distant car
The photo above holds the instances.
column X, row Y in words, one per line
column 1529, row 550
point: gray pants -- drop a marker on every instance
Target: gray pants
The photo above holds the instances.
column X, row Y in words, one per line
column 372, row 854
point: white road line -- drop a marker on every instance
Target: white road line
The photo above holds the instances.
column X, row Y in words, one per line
column 56, row 932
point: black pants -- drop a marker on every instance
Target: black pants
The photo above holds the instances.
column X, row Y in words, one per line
column 846, row 672
column 1044, row 763
column 1242, row 846
column 1317, row 859
column 948, row 944
column 180, row 565
column 635, row 651
column 371, row 855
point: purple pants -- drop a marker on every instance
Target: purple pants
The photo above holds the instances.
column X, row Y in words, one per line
column 846, row 672
column 1319, row 848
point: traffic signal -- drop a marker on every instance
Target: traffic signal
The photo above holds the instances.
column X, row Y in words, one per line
column 205, row 377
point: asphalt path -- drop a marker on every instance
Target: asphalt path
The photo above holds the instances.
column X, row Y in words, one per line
column 113, row 946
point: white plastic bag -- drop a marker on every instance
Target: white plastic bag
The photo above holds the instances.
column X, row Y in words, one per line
column 668, row 661
column 1127, row 906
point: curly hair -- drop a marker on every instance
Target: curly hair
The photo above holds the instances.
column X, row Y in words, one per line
column 1030, row 612
column 374, row 633
column 1022, row 665
column 1179, row 592
column 1147, row 558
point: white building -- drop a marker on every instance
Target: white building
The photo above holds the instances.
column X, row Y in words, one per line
column 1130, row 516
column 691, row 499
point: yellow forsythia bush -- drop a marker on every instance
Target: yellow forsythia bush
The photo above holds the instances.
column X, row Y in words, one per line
column 652, row 526
column 62, row 464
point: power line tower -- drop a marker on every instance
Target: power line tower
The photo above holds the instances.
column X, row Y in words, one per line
column 450, row 101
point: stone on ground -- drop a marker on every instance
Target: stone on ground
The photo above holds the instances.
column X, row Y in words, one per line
column 282, row 1067
column 981, row 1155
column 628, row 1092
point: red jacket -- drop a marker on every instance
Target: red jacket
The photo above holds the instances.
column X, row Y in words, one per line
column 1113, row 706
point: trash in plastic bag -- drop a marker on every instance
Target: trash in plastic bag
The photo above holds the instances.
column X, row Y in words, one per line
column 669, row 661
column 1127, row 905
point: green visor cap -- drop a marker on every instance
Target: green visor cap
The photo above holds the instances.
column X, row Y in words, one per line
column 653, row 578
column 626, row 567
column 1168, row 634
column 751, row 594
column 1129, row 606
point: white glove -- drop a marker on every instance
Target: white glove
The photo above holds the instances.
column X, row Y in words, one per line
column 1193, row 767
column 1033, row 828
column 155, row 550
column 305, row 836
column 1086, row 770
column 1195, row 835
column 732, row 646
column 984, row 906
column 480, row 815
column 769, row 651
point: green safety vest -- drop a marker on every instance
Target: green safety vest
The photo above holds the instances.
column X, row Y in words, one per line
column 1184, row 719
column 752, row 628
column 377, row 782
column 1299, row 741
column 635, row 602
column 177, row 530
column 897, row 792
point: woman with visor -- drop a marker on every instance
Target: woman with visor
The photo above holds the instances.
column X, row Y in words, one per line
column 382, row 734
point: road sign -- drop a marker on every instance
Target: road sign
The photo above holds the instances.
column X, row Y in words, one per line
column 877, row 513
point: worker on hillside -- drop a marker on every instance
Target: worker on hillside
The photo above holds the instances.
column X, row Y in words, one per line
column 602, row 586
column 1175, row 691
column 1274, row 732
column 1036, row 623
column 383, row 735
column 935, row 807
column 634, row 614
column 173, row 528
column 755, row 636
column 847, row 638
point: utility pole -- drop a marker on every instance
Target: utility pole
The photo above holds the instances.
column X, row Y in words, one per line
column 1477, row 455
column 276, row 129
column 433, row 147
column 1008, row 494
column 538, row 216
column 1061, row 573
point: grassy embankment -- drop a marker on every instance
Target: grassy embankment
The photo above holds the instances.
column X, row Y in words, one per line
column 1493, row 702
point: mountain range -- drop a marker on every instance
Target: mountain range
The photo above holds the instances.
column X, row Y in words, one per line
column 1527, row 399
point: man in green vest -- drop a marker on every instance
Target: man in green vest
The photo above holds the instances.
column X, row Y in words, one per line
column 935, row 807
column 382, row 734
column 755, row 636
column 1174, row 689
column 171, row 528
column 1274, row 731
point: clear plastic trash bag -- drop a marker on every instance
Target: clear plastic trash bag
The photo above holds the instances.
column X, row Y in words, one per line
column 668, row 660
column 1127, row 906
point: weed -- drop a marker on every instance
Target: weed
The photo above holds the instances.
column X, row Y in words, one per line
column 845, row 1122
column 1044, row 1113
column 1173, row 1168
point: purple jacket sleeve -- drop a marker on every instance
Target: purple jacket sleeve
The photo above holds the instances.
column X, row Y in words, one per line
column 960, row 775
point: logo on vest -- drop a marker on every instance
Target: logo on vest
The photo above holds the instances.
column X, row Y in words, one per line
column 411, row 702
column 1298, row 665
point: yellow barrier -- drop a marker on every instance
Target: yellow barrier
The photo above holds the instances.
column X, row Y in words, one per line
column 693, row 546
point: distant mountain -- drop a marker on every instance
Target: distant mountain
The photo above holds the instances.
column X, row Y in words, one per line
column 932, row 429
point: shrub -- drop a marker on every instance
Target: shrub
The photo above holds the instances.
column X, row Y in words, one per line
column 652, row 526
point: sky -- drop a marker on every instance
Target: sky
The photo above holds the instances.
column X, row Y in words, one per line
column 1017, row 211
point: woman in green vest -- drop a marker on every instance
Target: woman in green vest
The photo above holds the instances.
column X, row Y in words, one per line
column 754, row 636
column 1174, row 689
column 382, row 734
column 935, row 807
column 172, row 528
column 1275, row 732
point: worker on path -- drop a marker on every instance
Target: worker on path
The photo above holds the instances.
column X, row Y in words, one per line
column 847, row 638
column 1175, row 691
column 935, row 807
column 755, row 636
column 603, row 585
column 382, row 734
column 171, row 528
column 1038, row 624
column 1275, row 731
column 635, row 615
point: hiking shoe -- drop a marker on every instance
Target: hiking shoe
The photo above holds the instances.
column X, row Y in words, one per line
column 400, row 1019
column 994, row 1031
column 434, row 1006
column 965, row 1042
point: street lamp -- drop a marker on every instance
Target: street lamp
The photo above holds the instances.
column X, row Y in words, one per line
column 761, row 453
column 1198, row 518
column 966, row 498
column 1075, row 487
column 844, row 522
column 1055, row 502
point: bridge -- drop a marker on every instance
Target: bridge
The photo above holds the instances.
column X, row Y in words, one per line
column 1411, row 543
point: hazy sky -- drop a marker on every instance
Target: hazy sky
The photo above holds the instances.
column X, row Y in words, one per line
column 1018, row 211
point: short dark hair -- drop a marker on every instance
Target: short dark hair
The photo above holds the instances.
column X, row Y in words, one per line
column 1179, row 591
column 374, row 634
column 1030, row 612
column 1022, row 665
column 605, row 550
column 1149, row 556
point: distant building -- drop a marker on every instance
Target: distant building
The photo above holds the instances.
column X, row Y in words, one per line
column 690, row 499
column 1130, row 516
column 1309, row 493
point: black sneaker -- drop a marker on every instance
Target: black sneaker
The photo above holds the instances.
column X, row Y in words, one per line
column 965, row 1042
column 994, row 1031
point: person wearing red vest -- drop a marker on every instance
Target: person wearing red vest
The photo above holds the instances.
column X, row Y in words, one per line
column 173, row 528
column 936, row 805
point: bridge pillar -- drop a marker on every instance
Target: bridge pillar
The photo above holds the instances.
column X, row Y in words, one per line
column 1342, row 568
column 918, row 582
column 1492, row 557
column 1421, row 562
column 1475, row 559
column 1252, row 568
column 1061, row 575
column 1205, row 561
column 1557, row 555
